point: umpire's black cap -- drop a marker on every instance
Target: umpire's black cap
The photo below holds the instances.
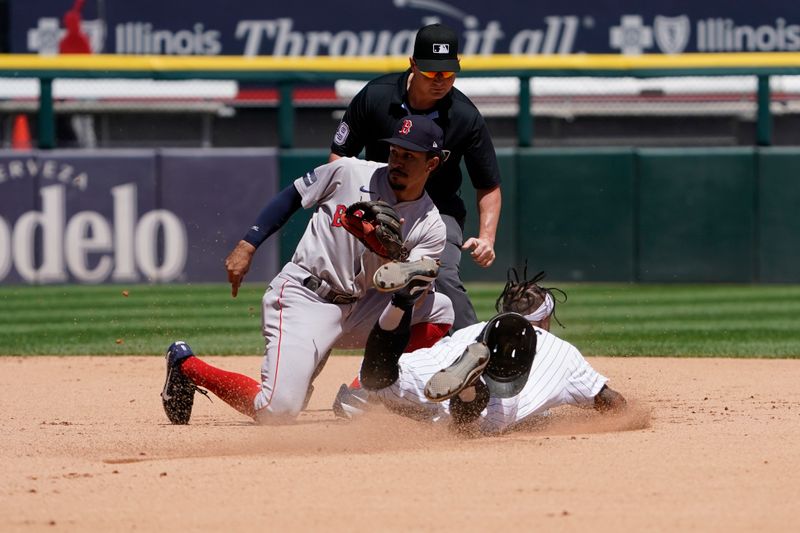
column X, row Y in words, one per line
column 512, row 346
column 436, row 49
column 418, row 133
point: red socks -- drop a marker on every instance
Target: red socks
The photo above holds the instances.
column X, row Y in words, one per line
column 425, row 335
column 239, row 391
column 236, row 390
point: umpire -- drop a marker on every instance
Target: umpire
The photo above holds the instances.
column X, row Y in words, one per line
column 426, row 88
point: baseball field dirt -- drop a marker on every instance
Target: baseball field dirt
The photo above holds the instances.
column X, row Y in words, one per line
column 706, row 445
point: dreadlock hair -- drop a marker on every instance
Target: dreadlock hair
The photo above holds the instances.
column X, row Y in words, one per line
column 525, row 296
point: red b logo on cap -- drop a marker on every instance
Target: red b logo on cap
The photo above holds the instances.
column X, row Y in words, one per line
column 406, row 127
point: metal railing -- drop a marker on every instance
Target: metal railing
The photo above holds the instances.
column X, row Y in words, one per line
column 286, row 73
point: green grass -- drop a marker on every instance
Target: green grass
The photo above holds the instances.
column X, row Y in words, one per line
column 601, row 319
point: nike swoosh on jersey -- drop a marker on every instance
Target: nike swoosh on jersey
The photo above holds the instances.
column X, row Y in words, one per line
column 364, row 189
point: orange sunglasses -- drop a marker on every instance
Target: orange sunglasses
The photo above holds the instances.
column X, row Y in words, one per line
column 432, row 75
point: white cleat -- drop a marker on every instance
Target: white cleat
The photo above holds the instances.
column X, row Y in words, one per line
column 463, row 373
column 394, row 276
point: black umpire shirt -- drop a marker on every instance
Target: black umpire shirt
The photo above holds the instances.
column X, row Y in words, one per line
column 373, row 113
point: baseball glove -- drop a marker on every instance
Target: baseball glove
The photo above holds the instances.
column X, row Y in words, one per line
column 378, row 226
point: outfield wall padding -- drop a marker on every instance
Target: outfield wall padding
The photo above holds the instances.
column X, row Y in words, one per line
column 625, row 214
column 696, row 215
column 576, row 212
column 615, row 214
column 778, row 215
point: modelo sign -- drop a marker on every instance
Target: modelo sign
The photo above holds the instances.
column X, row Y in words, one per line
column 126, row 216
column 58, row 240
column 124, row 246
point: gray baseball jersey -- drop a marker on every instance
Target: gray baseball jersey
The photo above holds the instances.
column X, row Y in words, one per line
column 299, row 325
column 329, row 251
column 560, row 375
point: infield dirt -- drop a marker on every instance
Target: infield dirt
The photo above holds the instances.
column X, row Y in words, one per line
column 707, row 445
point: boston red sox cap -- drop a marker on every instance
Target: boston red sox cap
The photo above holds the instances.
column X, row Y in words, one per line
column 436, row 49
column 418, row 133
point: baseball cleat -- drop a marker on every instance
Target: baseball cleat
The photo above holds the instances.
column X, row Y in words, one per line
column 464, row 372
column 416, row 275
column 350, row 403
column 178, row 393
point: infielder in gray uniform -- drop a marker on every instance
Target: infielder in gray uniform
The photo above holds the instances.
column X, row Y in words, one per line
column 491, row 376
column 325, row 298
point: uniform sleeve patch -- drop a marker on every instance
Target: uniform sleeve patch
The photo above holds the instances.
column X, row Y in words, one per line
column 341, row 133
column 310, row 178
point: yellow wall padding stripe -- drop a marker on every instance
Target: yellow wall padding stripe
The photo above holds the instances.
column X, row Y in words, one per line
column 121, row 63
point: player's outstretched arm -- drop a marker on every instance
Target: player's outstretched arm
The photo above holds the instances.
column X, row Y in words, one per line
column 269, row 220
column 609, row 400
column 238, row 263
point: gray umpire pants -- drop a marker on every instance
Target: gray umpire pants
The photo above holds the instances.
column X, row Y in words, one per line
column 449, row 280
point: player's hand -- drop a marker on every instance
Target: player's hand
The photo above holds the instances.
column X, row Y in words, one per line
column 238, row 263
column 482, row 251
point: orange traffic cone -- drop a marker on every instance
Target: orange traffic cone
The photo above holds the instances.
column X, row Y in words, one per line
column 21, row 134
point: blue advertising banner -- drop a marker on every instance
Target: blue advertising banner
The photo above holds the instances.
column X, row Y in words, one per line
column 84, row 224
column 387, row 27
column 107, row 207
column 127, row 216
column 218, row 194
column 19, row 173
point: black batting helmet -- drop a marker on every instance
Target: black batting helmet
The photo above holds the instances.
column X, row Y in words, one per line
column 512, row 346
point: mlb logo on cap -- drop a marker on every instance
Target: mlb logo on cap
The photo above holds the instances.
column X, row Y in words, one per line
column 436, row 49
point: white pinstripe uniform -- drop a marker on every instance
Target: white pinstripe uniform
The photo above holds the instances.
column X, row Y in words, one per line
column 560, row 375
column 299, row 325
